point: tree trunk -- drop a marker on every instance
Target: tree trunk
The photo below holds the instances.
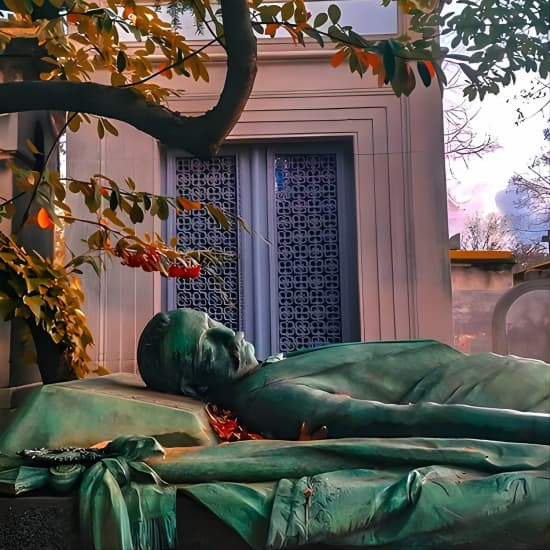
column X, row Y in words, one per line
column 53, row 359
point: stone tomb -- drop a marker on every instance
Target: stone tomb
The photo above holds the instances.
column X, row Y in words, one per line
column 116, row 404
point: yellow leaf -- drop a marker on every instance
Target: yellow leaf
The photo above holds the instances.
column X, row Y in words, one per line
column 102, row 371
column 9, row 210
column 48, row 76
column 149, row 46
column 74, row 123
column 117, row 79
column 32, row 147
column 112, row 217
column 204, row 72
column 100, row 129
column 34, row 303
column 17, row 6
column 218, row 215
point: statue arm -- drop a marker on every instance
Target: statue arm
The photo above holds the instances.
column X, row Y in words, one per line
column 279, row 410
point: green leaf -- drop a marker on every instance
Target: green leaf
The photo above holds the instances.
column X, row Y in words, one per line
column 269, row 13
column 163, row 211
column 96, row 240
column 93, row 199
column 469, row 72
column 107, row 25
column 124, row 204
column 388, row 58
column 287, row 11
column 146, row 201
column 334, row 13
column 258, row 28
column 320, row 20
column 312, row 33
column 136, row 214
column 7, row 307
column 113, row 200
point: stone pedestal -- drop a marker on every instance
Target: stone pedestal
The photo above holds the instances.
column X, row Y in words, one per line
column 42, row 522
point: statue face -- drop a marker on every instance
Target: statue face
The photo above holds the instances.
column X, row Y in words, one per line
column 219, row 355
column 185, row 351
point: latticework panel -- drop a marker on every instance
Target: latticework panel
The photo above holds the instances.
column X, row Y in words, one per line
column 213, row 180
column 308, row 252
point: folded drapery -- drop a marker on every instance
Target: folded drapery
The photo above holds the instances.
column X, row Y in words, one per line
column 123, row 504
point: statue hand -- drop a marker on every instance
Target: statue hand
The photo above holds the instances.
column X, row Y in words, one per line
column 306, row 435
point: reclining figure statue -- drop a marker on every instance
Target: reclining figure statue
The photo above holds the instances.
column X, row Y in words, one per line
column 379, row 389
column 426, row 448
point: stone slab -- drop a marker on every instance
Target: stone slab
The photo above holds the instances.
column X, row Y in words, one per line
column 84, row 412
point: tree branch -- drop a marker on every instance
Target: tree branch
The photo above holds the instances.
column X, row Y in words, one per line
column 201, row 135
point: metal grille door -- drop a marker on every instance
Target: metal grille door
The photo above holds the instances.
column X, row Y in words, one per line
column 213, row 180
column 306, row 206
column 285, row 289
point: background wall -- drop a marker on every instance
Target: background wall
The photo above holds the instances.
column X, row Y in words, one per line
column 404, row 284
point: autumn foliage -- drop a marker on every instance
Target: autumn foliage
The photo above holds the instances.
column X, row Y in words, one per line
column 87, row 49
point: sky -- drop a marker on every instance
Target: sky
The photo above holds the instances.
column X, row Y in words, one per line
column 475, row 184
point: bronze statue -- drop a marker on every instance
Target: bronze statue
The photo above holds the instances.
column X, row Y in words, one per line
column 427, row 447
column 185, row 351
column 377, row 389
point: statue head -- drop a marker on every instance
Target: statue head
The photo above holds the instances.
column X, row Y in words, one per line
column 185, row 351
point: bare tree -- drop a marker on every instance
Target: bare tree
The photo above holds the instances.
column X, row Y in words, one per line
column 528, row 254
column 487, row 232
column 532, row 189
column 461, row 140
column 536, row 98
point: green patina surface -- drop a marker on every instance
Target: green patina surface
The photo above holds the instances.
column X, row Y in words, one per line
column 84, row 412
column 431, row 448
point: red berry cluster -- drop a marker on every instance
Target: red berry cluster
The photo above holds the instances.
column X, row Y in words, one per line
column 184, row 272
column 150, row 260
